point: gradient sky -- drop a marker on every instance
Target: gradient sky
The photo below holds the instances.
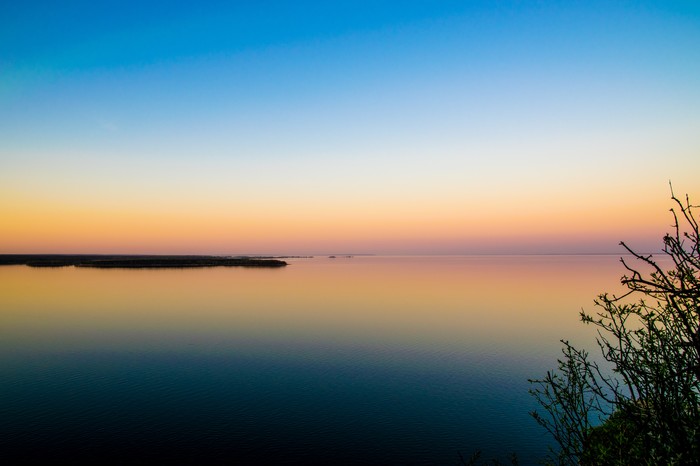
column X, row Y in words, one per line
column 312, row 127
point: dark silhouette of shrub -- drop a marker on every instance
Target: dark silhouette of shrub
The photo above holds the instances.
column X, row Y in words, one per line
column 641, row 405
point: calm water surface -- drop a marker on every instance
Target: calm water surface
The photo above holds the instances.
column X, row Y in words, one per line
column 370, row 360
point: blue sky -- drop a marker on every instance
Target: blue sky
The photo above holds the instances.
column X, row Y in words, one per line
column 400, row 114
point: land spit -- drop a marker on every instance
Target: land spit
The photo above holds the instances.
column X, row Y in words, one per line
column 136, row 261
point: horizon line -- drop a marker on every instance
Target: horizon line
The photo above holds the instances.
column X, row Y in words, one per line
column 326, row 254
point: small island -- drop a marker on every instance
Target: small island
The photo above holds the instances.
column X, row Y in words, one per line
column 136, row 261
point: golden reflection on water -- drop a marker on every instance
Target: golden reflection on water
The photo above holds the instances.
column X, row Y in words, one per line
column 502, row 303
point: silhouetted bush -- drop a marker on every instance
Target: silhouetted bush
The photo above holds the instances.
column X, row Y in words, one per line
column 642, row 405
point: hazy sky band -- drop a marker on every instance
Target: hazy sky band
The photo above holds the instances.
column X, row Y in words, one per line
column 288, row 127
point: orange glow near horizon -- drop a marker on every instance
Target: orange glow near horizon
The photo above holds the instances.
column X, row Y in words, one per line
column 301, row 226
column 58, row 228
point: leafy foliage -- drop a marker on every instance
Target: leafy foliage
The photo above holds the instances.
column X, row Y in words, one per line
column 642, row 406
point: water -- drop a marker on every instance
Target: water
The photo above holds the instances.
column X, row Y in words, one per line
column 369, row 360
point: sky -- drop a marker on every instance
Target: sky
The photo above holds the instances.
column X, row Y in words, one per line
column 311, row 127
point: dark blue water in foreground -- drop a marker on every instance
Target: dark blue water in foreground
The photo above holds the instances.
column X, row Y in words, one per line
column 185, row 408
column 257, row 371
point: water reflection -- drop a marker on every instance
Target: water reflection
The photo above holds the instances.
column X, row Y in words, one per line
column 395, row 359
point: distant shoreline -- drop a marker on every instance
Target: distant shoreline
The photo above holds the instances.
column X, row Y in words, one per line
column 136, row 261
